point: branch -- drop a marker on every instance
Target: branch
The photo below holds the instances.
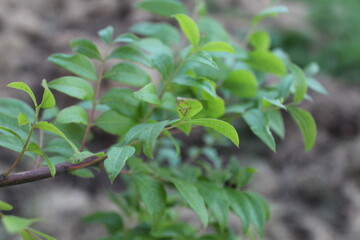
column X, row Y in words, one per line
column 44, row 172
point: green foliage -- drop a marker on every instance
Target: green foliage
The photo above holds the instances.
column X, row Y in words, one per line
column 211, row 82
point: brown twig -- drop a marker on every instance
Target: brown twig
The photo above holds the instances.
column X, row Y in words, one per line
column 44, row 172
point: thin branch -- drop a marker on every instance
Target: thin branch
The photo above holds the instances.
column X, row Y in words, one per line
column 44, row 172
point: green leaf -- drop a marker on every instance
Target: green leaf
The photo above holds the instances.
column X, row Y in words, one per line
column 5, row 206
column 73, row 114
column 187, row 108
column 259, row 125
column 148, row 94
column 36, row 149
column 48, row 99
column 200, row 83
column 241, row 83
column 77, row 64
column 11, row 107
column 123, row 101
column 220, row 126
column 106, row 34
column 212, row 30
column 213, row 107
column 146, row 133
column 300, row 83
column 111, row 220
column 47, row 237
column 203, row 58
column 131, row 54
column 128, row 74
column 14, row 224
column 117, row 156
column 267, row 102
column 189, row 27
column 217, row 47
column 22, row 119
column 271, row 11
column 114, row 123
column 24, row 87
column 165, row 8
column 266, row 62
column 83, row 173
column 307, row 126
column 126, row 38
column 51, row 128
column 276, row 122
column 78, row 157
column 86, row 48
column 153, row 194
column 11, row 142
column 260, row 40
column 191, row 195
column 217, row 201
column 74, row 87
column 10, row 123
column 316, row 86
column 163, row 31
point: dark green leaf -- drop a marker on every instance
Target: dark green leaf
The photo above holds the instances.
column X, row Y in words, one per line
column 203, row 58
column 164, row 8
column 276, row 122
column 191, row 195
column 83, row 173
column 117, row 156
column 12, row 107
column 259, row 125
column 131, row 54
column 73, row 114
column 77, row 64
column 307, row 126
column 74, row 87
column 148, row 94
column 129, row 74
column 114, row 123
column 126, row 38
column 86, row 48
column 202, row 84
column 111, row 220
column 300, row 83
column 153, row 195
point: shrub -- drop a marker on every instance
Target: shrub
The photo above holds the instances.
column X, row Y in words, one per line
column 208, row 82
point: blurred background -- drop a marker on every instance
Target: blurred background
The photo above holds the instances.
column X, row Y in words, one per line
column 313, row 196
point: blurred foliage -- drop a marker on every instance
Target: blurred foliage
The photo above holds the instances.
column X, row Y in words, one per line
column 333, row 40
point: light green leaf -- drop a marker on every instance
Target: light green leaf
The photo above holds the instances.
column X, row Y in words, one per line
column 217, row 47
column 86, row 48
column 148, row 94
column 220, row 126
column 307, row 126
column 77, row 64
column 266, row 62
column 117, row 156
column 267, row 102
column 217, row 201
column 5, row 206
column 259, row 125
column 24, row 87
column 48, row 99
column 126, row 38
column 73, row 114
column 14, row 224
column 106, row 34
column 51, row 128
column 74, row 87
column 189, row 27
column 47, row 237
column 213, row 107
column 165, row 8
column 260, row 40
column 153, row 194
column 36, row 149
column 276, row 122
column 241, row 83
column 22, row 119
column 300, row 83
column 163, row 31
column 128, row 74
column 316, row 85
column 146, row 133
column 187, row 108
column 191, row 195
column 114, row 123
column 271, row 11
column 131, row 54
column 203, row 58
